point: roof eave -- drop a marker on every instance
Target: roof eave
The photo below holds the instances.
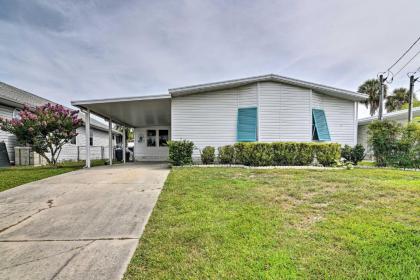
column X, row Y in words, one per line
column 175, row 92
column 119, row 99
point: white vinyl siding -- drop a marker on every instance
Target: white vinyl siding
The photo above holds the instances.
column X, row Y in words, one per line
column 284, row 113
column 362, row 138
column 317, row 100
column 247, row 96
column 99, row 150
column 340, row 114
column 10, row 140
column 206, row 118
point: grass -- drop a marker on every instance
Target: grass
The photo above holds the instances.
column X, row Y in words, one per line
column 11, row 177
column 367, row 163
column 215, row 223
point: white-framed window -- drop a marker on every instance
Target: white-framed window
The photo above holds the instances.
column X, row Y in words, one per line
column 151, row 138
column 15, row 114
column 163, row 137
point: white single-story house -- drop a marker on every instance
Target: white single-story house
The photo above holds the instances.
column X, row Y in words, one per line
column 264, row 108
column 400, row 116
column 13, row 99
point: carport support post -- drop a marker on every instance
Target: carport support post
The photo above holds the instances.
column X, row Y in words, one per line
column 110, row 140
column 123, row 144
column 87, row 134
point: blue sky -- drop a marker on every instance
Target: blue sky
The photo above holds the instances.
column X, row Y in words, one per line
column 79, row 49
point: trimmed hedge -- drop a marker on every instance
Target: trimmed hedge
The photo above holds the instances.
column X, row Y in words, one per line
column 293, row 153
column 207, row 155
column 226, row 154
column 180, row 152
column 327, row 154
column 258, row 154
column 282, row 153
column 255, row 154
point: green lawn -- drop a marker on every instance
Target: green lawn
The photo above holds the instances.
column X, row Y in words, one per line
column 221, row 223
column 11, row 177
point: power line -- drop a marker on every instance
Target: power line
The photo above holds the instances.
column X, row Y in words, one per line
column 408, row 62
column 398, row 60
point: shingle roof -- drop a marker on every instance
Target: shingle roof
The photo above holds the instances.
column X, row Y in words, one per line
column 356, row 96
column 22, row 97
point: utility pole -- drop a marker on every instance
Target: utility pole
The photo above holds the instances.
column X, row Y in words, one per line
column 381, row 96
column 411, row 96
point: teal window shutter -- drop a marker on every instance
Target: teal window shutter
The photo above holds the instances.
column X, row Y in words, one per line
column 247, row 125
column 320, row 125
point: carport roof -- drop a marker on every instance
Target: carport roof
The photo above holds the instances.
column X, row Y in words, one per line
column 140, row 111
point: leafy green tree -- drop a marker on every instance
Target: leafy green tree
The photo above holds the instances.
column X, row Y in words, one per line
column 416, row 103
column 372, row 89
column 46, row 129
column 399, row 97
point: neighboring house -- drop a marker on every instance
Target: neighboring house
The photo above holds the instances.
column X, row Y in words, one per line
column 265, row 108
column 12, row 100
column 400, row 116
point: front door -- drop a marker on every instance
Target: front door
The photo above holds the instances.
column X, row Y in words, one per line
column 151, row 143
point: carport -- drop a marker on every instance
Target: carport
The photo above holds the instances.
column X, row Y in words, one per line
column 128, row 112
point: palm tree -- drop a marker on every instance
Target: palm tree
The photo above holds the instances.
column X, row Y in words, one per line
column 372, row 89
column 399, row 97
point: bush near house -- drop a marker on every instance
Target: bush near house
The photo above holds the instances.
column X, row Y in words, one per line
column 180, row 152
column 327, row 154
column 354, row 155
column 226, row 154
column 258, row 154
column 394, row 144
column 285, row 153
column 207, row 155
column 293, row 153
column 255, row 154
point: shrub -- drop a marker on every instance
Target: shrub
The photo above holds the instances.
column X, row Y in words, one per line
column 383, row 137
column 357, row 154
column 207, row 155
column 346, row 152
column 285, row 153
column 394, row 145
column 305, row 154
column 254, row 154
column 354, row 155
column 327, row 154
column 292, row 153
column 226, row 154
column 180, row 152
column 407, row 152
column 240, row 155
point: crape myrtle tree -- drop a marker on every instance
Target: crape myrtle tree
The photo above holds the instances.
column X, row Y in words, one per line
column 44, row 128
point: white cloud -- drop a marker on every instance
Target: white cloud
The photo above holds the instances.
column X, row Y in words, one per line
column 67, row 50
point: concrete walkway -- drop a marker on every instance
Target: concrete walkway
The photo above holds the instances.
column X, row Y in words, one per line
column 80, row 225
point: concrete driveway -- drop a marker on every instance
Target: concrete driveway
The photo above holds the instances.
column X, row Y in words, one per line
column 80, row 225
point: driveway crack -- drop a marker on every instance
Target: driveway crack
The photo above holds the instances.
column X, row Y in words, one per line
column 43, row 258
column 49, row 204
column 70, row 259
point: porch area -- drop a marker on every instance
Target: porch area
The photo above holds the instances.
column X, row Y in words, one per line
column 148, row 116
